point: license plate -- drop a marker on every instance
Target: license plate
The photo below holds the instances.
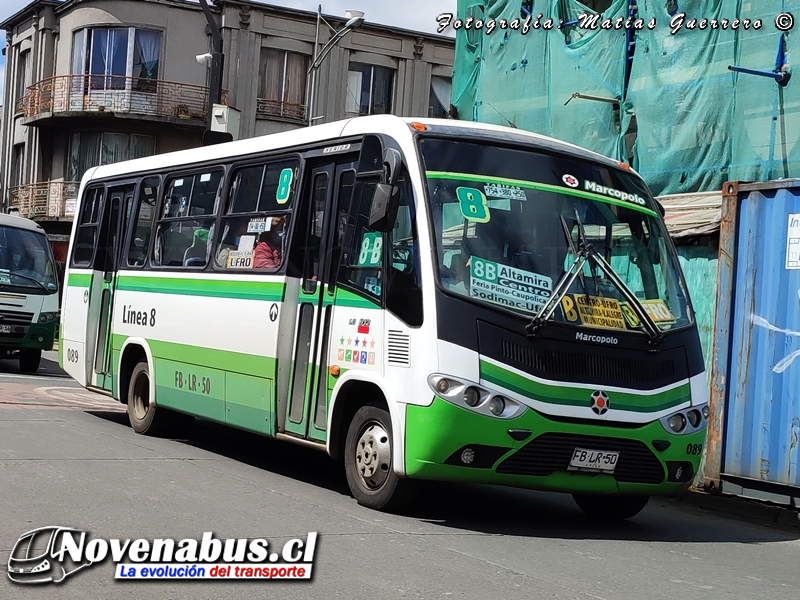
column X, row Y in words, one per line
column 5, row 328
column 601, row 461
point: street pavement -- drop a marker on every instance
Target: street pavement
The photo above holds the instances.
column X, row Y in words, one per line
column 68, row 457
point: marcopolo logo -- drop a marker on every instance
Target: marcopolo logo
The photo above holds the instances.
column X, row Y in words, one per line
column 50, row 554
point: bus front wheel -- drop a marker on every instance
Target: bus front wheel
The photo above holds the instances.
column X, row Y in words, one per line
column 368, row 461
column 29, row 360
column 611, row 508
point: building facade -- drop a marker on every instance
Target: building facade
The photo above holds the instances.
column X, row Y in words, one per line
column 91, row 82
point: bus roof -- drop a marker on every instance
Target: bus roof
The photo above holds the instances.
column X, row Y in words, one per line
column 388, row 124
column 19, row 223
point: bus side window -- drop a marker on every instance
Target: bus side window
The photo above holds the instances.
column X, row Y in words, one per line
column 363, row 266
column 256, row 218
column 88, row 225
column 403, row 289
column 145, row 211
column 186, row 221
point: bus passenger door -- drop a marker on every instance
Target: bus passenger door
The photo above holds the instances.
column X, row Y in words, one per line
column 119, row 201
column 315, row 242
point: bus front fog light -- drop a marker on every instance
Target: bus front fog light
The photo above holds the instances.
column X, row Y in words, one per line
column 677, row 422
column 472, row 396
column 706, row 411
column 467, row 456
column 497, row 405
column 695, row 418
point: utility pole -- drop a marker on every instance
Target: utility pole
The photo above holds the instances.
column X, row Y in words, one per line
column 215, row 83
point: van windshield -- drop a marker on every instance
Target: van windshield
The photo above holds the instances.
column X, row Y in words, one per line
column 26, row 262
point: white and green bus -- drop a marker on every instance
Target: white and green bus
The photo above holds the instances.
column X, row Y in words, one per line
column 28, row 292
column 424, row 299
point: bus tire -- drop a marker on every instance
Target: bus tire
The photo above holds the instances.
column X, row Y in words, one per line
column 611, row 508
column 368, row 461
column 29, row 360
column 145, row 417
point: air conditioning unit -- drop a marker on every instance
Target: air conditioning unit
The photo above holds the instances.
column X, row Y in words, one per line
column 225, row 119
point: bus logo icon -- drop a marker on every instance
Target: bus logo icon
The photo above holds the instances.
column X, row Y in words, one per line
column 600, row 403
column 39, row 557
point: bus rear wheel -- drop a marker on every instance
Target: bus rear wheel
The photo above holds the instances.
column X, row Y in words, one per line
column 368, row 462
column 611, row 508
column 29, row 360
column 146, row 417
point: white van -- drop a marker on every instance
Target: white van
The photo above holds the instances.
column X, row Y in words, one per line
column 28, row 292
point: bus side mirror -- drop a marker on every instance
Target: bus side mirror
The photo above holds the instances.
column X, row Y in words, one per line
column 386, row 199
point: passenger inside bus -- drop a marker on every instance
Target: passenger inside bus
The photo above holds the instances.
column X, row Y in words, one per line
column 231, row 238
column 197, row 254
column 268, row 252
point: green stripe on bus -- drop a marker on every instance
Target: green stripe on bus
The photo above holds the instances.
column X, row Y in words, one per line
column 566, row 396
column 542, row 187
column 225, row 360
column 216, row 288
column 79, row 279
column 347, row 298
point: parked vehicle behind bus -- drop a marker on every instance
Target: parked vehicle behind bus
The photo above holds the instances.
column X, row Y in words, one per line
column 424, row 299
column 28, row 292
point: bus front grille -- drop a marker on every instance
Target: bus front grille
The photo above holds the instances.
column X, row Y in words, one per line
column 592, row 365
column 551, row 452
column 8, row 317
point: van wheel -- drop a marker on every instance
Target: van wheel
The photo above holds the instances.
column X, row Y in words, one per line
column 29, row 360
column 145, row 417
column 368, row 462
column 611, row 508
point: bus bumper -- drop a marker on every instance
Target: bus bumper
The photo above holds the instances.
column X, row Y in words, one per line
column 40, row 336
column 447, row 442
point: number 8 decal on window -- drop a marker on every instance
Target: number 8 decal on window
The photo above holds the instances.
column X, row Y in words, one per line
column 473, row 204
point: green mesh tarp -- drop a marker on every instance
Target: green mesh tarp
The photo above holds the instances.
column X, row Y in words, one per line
column 691, row 124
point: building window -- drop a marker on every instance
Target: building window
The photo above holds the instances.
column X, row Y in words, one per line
column 113, row 55
column 17, row 162
column 22, row 73
column 439, row 101
column 87, row 150
column 369, row 90
column 282, row 84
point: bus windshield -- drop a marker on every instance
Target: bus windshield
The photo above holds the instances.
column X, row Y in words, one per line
column 509, row 223
column 26, row 261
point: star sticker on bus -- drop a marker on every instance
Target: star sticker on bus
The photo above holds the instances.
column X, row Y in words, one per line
column 600, row 403
column 349, row 341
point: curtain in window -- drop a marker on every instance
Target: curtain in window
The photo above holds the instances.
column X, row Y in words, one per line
column 381, row 91
column 114, row 148
column 142, row 145
column 272, row 61
column 296, row 66
column 352, row 104
column 78, row 68
column 146, row 53
column 84, row 153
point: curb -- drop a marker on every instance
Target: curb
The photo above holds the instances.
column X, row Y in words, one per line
column 743, row 507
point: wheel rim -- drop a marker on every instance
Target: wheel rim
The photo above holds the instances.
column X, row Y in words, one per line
column 373, row 456
column 141, row 396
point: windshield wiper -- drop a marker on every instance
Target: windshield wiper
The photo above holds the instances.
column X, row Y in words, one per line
column 586, row 252
column 39, row 283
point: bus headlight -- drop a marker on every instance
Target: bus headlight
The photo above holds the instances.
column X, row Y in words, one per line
column 677, row 422
column 472, row 396
column 497, row 405
column 47, row 317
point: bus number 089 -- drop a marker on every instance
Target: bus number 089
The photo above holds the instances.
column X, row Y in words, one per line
column 72, row 355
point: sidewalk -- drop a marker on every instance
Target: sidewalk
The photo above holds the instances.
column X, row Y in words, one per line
column 742, row 507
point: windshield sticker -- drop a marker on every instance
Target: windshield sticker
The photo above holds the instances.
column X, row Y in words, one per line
column 610, row 198
column 508, row 286
column 657, row 309
column 499, row 190
column 284, row 186
column 371, row 250
column 240, row 259
column 246, row 243
column 473, row 206
column 591, row 186
column 258, row 225
column 5, row 277
column 593, row 311
column 571, row 180
column 499, row 204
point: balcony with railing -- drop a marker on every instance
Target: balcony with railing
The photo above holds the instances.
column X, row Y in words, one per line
column 45, row 200
column 74, row 94
column 284, row 111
